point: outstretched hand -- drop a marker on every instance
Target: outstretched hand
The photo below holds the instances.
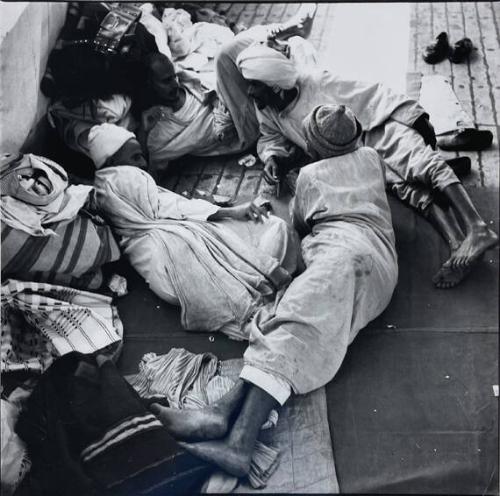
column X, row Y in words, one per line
column 250, row 210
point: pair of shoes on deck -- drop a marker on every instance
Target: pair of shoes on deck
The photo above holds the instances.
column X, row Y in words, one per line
column 441, row 49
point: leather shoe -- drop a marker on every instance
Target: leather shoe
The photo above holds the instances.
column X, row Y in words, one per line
column 461, row 50
column 438, row 51
column 468, row 139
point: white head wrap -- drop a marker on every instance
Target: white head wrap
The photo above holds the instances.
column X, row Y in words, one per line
column 265, row 64
column 105, row 140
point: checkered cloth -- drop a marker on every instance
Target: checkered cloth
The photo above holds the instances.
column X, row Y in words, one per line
column 41, row 322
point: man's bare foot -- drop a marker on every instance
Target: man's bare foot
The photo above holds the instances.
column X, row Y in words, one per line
column 188, row 424
column 211, row 422
column 232, row 459
column 479, row 240
column 448, row 276
column 300, row 24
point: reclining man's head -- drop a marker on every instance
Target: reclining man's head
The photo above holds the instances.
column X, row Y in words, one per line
column 331, row 130
column 111, row 145
column 35, row 181
column 31, row 179
column 272, row 76
column 162, row 81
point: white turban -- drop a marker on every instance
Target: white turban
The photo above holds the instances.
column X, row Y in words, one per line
column 105, row 140
column 262, row 63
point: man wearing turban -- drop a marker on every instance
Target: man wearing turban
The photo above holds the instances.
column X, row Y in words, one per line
column 395, row 126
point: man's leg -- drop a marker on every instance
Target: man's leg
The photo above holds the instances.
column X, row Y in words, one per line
column 234, row 453
column 447, row 225
column 232, row 87
column 418, row 166
column 478, row 237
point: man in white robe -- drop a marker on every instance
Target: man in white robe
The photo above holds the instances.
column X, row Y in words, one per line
column 351, row 272
column 395, row 126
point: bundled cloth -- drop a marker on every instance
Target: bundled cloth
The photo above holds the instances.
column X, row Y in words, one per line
column 51, row 237
column 89, row 434
column 193, row 381
column 73, row 124
column 14, row 459
column 41, row 322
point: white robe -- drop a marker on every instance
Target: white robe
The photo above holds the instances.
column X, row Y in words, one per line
column 219, row 272
column 351, row 272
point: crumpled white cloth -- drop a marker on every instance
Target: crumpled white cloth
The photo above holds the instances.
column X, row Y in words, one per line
column 14, row 459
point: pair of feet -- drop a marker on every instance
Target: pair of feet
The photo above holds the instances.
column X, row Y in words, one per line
column 441, row 50
column 205, row 433
column 465, row 256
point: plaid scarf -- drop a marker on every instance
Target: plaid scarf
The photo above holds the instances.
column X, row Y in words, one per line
column 42, row 321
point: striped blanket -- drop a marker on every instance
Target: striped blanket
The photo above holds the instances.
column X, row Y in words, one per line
column 41, row 322
column 73, row 257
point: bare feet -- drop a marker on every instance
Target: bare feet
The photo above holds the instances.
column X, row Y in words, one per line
column 448, row 277
column 208, row 423
column 211, row 422
column 479, row 240
column 232, row 459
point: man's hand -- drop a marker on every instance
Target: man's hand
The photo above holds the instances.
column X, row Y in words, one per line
column 423, row 127
column 271, row 171
column 250, row 210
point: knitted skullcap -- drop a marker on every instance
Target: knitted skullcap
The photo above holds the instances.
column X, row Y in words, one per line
column 332, row 130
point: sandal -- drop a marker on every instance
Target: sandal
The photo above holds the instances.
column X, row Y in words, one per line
column 468, row 139
column 461, row 51
column 438, row 51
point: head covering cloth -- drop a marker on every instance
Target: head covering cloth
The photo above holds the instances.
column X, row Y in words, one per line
column 28, row 211
column 105, row 140
column 262, row 63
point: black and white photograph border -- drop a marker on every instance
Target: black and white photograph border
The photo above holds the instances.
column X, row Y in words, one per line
column 121, row 369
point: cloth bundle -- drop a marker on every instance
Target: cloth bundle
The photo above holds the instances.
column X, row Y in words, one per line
column 41, row 322
column 14, row 457
column 89, row 434
column 73, row 124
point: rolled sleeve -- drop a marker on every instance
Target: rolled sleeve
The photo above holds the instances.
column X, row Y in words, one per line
column 276, row 387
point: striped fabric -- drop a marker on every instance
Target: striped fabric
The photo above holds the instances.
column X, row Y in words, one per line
column 73, row 257
column 180, row 376
column 41, row 322
column 126, row 429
